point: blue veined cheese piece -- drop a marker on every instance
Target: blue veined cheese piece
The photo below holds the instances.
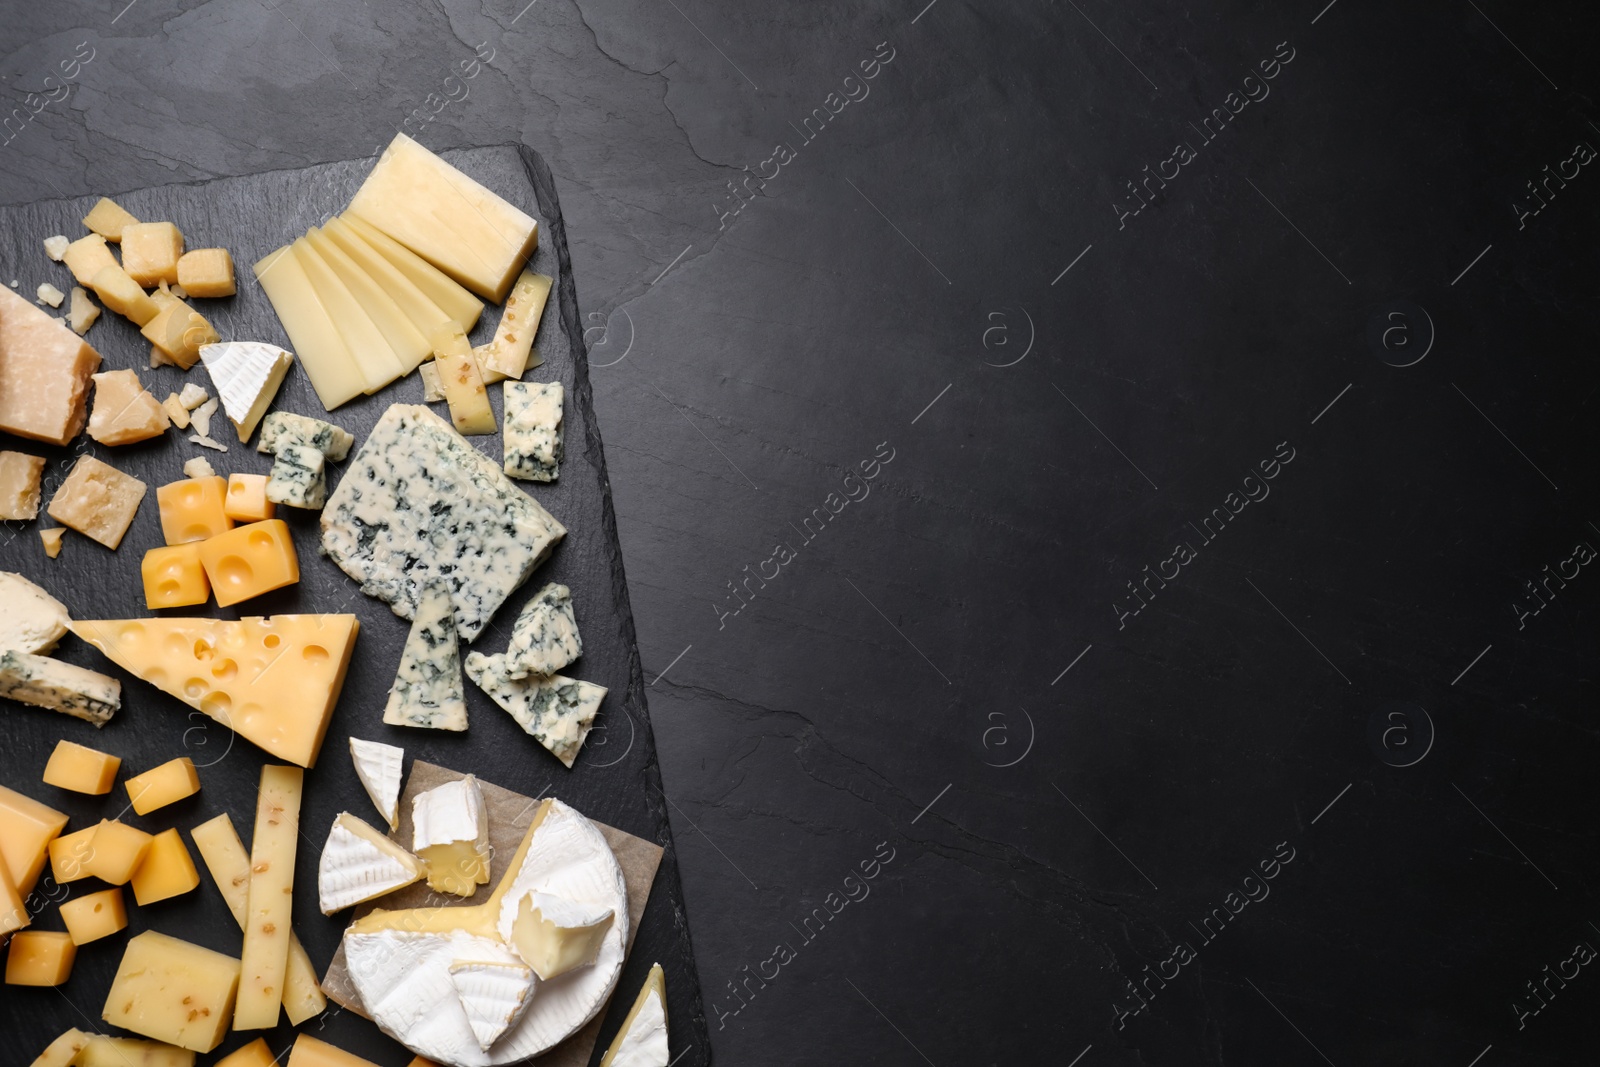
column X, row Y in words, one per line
column 555, row 711
column 299, row 477
column 49, row 683
column 533, row 430
column 286, row 428
column 428, row 690
column 545, row 636
column 418, row 501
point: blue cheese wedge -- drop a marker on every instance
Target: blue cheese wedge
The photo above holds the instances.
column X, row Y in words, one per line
column 417, row 500
column 533, row 430
column 49, row 683
column 545, row 636
column 555, row 711
column 299, row 477
column 428, row 690
column 286, row 428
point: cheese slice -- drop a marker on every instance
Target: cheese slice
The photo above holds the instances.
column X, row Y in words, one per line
column 555, row 711
column 20, row 475
column 360, row 864
column 274, row 681
column 173, row 991
column 265, row 959
column 247, row 375
column 124, row 411
column 428, row 690
column 461, row 306
column 409, row 343
column 554, row 936
column 380, row 766
column 327, row 359
column 380, row 364
column 131, row 1052
column 450, row 833
column 462, row 383
column 513, row 337
column 44, row 373
column 424, row 314
column 642, row 1041
column 64, row 687
column 493, row 994
column 450, row 220
column 31, row 620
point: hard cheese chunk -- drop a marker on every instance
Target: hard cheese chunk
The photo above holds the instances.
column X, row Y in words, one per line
column 450, row 834
column 51, row 539
column 89, row 918
column 98, row 501
column 63, row 1051
column 418, row 500
column 40, row 958
column 19, row 485
column 173, row 991
column 247, row 375
column 428, row 690
column 167, row 870
column 513, row 337
column 44, row 373
column 360, row 864
column 323, row 353
column 81, row 769
column 299, row 478
column 272, row 680
column 123, row 295
column 13, row 908
column 178, row 332
column 207, row 272
column 555, row 711
column 462, row 382
column 444, row 216
column 250, row 560
column 131, row 1052
column 70, row 853
column 124, row 411
column 63, row 687
column 108, row 219
column 309, row 1052
column 642, row 1041
column 193, row 509
column 173, row 577
column 31, row 620
column 88, row 256
column 150, row 252
column 544, row 638
column 115, row 851
column 163, row 785
column 554, row 936
column 26, row 829
column 265, row 960
column 256, row 1054
column 247, row 498
column 533, row 430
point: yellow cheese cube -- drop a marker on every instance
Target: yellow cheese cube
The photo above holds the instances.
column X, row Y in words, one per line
column 250, row 560
column 108, row 219
column 123, row 295
column 115, row 851
column 150, row 252
column 97, row 915
column 19, row 485
column 173, row 991
column 69, row 854
column 163, row 785
column 81, row 769
column 98, row 501
column 207, row 272
column 51, row 539
column 247, row 498
column 192, row 510
column 255, row 1054
column 177, row 331
column 124, row 412
column 131, row 1052
column 309, row 1052
column 13, row 909
column 173, row 577
column 167, row 870
column 40, row 957
column 26, row 829
column 88, row 256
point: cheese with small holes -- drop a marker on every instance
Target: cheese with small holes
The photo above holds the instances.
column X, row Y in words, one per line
column 324, row 355
column 108, row 219
column 31, row 620
column 273, row 680
column 359, row 864
column 193, row 509
column 131, row 1052
column 554, row 936
column 247, row 498
column 265, row 960
column 26, row 829
column 299, row 477
column 555, row 711
column 64, row 687
column 380, row 768
column 428, row 691
column 174, row 577
column 81, row 769
column 19, row 485
column 163, row 785
column 173, row 991
column 247, row 375
column 533, row 430
column 642, row 1039
column 418, row 500
column 545, row 637
column 124, row 411
column 250, row 560
column 39, row 957
column 96, row 915
column 450, row 834
column 44, row 373
column 513, row 337
column 98, row 501
column 167, row 870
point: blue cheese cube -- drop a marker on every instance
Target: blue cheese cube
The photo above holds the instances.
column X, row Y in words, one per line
column 545, row 636
column 299, row 477
column 49, row 683
column 555, row 711
column 533, row 430
column 286, row 428
column 428, row 690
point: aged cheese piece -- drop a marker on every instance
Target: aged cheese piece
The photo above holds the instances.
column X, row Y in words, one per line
column 299, row 477
column 82, row 312
column 26, row 829
column 360, row 864
column 115, row 851
column 419, row 500
column 265, row 959
column 443, row 291
column 450, row 834
column 173, row 991
column 108, row 219
column 52, row 540
column 247, row 498
column 174, row 577
column 642, row 1041
column 49, row 294
column 225, row 857
column 173, row 406
column 444, row 216
column 207, row 272
column 56, row 247
column 89, row 918
column 88, row 256
column 428, row 690
column 167, row 870
column 256, row 1054
column 493, row 995
column 193, row 396
column 150, row 252
column 247, row 375
column 19, row 485
column 124, row 411
column 69, row 853
column 63, row 687
column 513, row 337
column 327, row 360
column 198, row 467
column 192, row 509
column 63, row 1051
column 424, row 314
column 286, row 428
column 250, row 560
column 555, row 711
column 377, row 360
column 544, row 638
column 533, row 430
column 131, row 1052
column 163, row 785
column 554, row 936
column 31, row 620
column 44, row 373
column 272, row 680
column 123, row 295
column 13, row 907
column 380, row 768
column 309, row 1052
column 432, row 388
column 462, row 383
column 178, row 331
column 98, row 501
column 409, row 344
column 81, row 769
column 40, row 958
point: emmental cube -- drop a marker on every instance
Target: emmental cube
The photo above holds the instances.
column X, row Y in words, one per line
column 89, row 918
column 250, row 560
column 115, row 851
column 192, row 510
column 81, row 769
column 167, row 870
column 98, row 501
column 150, row 252
column 173, row 577
column 40, row 958
column 166, row 784
column 247, row 498
column 207, row 272
column 173, row 991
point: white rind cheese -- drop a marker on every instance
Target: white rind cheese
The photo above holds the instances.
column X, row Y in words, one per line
column 545, row 637
column 299, row 477
column 555, row 711
column 418, row 500
column 428, row 690
column 493, row 995
column 380, row 767
column 49, row 683
column 554, row 935
column 359, row 864
column 533, row 430
column 450, row 832
column 642, row 1041
column 31, row 620
column 247, row 375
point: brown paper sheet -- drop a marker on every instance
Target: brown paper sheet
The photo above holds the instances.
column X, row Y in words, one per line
column 509, row 817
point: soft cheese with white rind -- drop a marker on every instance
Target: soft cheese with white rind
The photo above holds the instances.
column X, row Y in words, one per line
column 359, row 864
column 554, row 935
column 493, row 995
column 450, row 832
column 63, row 687
column 419, row 500
column 533, row 430
column 555, row 711
column 545, row 637
column 247, row 375
column 31, row 620
column 380, row 766
column 642, row 1040
column 428, row 691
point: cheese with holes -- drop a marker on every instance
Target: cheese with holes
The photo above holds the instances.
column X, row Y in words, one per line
column 545, row 637
column 193, row 509
column 324, row 355
column 247, row 375
column 225, row 857
column 173, row 991
column 462, row 382
column 265, row 959
column 31, row 620
column 513, row 337
column 26, row 829
column 418, row 500
column 81, row 769
column 555, row 711
column 375, row 358
column 19, row 485
column 57, row 686
column 167, row 870
column 274, row 681
column 409, row 344
column 642, row 1040
column 89, row 918
column 359, row 864
column 174, row 577
column 448, row 295
column 428, row 691
column 39, row 958
column 44, row 373
column 450, row 834
column 163, row 785
column 554, row 936
column 124, row 411
column 250, row 560
column 493, row 995
column 247, row 498
column 447, row 218
column 131, row 1052
column 533, row 430
column 98, row 501
column 380, row 767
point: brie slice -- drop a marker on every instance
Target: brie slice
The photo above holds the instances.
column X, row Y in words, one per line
column 493, row 995
column 450, row 832
column 379, row 767
column 554, row 936
column 642, row 1041
column 247, row 375
column 358, row 864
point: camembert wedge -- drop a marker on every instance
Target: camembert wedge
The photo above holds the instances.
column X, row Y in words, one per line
column 359, row 864
column 380, row 768
column 450, row 833
column 642, row 1041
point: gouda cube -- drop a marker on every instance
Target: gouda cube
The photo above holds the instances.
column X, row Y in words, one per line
column 255, row 1054
column 462, row 384
column 167, row 870
column 115, row 851
column 131, row 1052
column 40, row 957
column 174, row 577
column 44, row 373
column 69, row 855
column 51, row 539
column 193, row 509
column 81, row 769
column 177, row 331
column 150, row 252
column 13, row 909
column 264, row 962
column 88, row 256
column 63, row 1051
column 98, row 501
column 124, row 411
column 207, row 272
column 250, row 560
column 108, row 219
column 163, row 785
column 309, row 1052
column 173, row 991
column 97, row 915
column 123, row 295
column 327, row 360
column 247, row 498
column 19, row 485
column 26, row 829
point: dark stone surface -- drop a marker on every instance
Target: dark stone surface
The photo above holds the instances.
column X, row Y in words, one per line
column 742, row 370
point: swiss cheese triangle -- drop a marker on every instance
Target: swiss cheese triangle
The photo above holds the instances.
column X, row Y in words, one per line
column 272, row 681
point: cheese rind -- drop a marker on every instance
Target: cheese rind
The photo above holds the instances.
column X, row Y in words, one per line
column 359, row 864
column 428, row 691
column 173, row 991
column 247, row 375
column 450, row 834
column 554, row 936
column 81, row 769
column 57, row 686
column 44, row 373
column 493, row 995
column 380, row 767
column 642, row 1040
column 265, row 958
column 555, row 711
column 31, row 620
column 533, row 445
column 163, row 785
column 19, row 485
column 98, row 501
column 545, row 636
column 174, row 577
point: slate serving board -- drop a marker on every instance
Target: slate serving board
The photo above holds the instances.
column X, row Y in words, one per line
column 616, row 778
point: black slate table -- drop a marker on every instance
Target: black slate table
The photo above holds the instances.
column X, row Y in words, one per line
column 1106, row 490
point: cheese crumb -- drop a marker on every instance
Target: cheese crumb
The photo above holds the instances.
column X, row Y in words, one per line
column 49, row 294
column 200, row 417
column 83, row 312
column 56, row 247
column 198, row 467
column 205, row 442
column 192, row 396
